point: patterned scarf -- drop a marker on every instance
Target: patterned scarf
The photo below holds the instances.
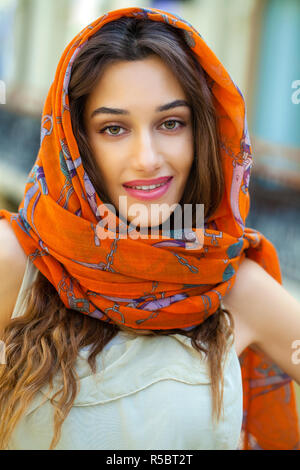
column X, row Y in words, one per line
column 150, row 283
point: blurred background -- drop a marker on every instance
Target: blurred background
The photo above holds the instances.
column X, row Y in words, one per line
column 258, row 41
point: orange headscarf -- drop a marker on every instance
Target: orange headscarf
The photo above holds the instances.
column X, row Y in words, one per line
column 146, row 283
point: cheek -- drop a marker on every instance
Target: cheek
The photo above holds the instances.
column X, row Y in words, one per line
column 184, row 150
column 181, row 148
column 105, row 161
column 109, row 171
column 186, row 160
column 185, row 169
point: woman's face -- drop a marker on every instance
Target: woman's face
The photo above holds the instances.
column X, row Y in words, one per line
column 139, row 126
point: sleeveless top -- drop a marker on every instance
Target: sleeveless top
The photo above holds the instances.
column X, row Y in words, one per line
column 149, row 392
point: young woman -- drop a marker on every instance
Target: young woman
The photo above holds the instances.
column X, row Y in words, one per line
column 131, row 342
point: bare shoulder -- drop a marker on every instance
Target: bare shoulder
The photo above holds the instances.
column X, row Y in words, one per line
column 249, row 274
column 266, row 316
column 254, row 287
column 235, row 301
column 12, row 269
column 10, row 248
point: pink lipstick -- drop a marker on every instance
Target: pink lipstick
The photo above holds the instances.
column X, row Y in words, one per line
column 147, row 194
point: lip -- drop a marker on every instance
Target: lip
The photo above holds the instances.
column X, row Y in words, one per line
column 147, row 182
column 152, row 193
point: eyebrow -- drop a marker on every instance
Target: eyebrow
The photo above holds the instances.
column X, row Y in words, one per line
column 164, row 107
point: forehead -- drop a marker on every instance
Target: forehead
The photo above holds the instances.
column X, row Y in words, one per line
column 147, row 81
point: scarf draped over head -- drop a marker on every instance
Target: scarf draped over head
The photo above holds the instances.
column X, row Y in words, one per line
column 153, row 283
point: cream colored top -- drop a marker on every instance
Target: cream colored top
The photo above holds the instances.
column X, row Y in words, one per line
column 149, row 392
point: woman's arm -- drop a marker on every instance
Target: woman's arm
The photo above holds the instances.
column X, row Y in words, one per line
column 266, row 317
column 12, row 269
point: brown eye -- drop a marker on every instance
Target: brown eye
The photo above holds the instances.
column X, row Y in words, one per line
column 171, row 124
column 113, row 130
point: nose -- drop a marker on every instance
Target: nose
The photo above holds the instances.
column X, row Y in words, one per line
column 145, row 155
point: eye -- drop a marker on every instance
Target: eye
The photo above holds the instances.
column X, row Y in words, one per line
column 173, row 123
column 113, row 128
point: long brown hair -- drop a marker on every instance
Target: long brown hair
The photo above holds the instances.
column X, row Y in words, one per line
column 39, row 346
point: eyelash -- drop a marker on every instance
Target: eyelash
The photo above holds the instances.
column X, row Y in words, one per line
column 117, row 135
